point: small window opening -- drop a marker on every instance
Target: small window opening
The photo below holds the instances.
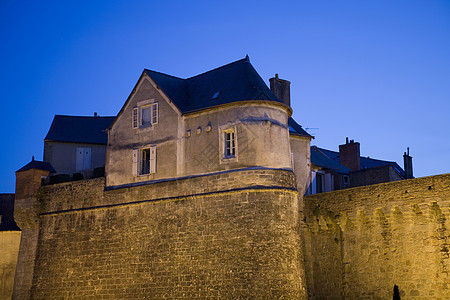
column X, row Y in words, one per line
column 230, row 144
column 145, row 161
column 216, row 94
column 146, row 116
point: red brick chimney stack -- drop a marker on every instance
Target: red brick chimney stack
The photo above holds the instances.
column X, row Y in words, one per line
column 349, row 155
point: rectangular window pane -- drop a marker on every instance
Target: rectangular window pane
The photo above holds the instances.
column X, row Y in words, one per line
column 146, row 115
column 230, row 145
column 145, row 161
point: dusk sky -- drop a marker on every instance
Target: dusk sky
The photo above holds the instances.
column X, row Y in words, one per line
column 377, row 71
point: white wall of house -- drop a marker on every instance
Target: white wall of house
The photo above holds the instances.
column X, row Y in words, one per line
column 194, row 143
column 66, row 157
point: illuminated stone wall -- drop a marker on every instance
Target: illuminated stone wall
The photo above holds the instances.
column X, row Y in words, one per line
column 226, row 235
column 362, row 241
column 9, row 249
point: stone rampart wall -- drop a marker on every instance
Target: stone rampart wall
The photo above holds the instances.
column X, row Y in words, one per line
column 364, row 240
column 230, row 235
column 9, row 241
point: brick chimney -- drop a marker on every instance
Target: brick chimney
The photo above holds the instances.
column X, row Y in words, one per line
column 349, row 155
column 281, row 89
column 407, row 164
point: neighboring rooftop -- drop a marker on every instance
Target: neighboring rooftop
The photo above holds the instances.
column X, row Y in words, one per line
column 296, row 129
column 79, row 129
column 36, row 164
column 233, row 82
column 330, row 159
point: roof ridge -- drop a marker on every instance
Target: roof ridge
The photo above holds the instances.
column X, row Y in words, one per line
column 215, row 69
column 378, row 159
column 145, row 69
column 85, row 116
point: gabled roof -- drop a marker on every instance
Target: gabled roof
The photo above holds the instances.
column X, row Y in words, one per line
column 77, row 129
column 366, row 162
column 237, row 81
column 36, row 164
column 296, row 129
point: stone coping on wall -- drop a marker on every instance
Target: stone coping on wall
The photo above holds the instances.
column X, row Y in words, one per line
column 425, row 196
column 92, row 194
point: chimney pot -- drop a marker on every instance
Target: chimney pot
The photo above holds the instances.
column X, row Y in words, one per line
column 95, row 114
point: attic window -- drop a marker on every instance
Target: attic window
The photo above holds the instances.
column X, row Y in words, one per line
column 145, row 115
column 216, row 94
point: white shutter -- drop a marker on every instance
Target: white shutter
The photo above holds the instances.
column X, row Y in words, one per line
column 79, row 159
column 135, row 160
column 86, row 158
column 135, row 118
column 153, row 159
column 155, row 112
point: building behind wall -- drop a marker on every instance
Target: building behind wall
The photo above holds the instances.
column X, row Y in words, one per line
column 333, row 170
column 77, row 144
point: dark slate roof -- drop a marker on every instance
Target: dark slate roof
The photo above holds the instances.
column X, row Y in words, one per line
column 366, row 162
column 40, row 165
column 295, row 128
column 321, row 159
column 77, row 129
column 233, row 82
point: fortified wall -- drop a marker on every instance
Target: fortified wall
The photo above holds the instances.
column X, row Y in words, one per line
column 359, row 242
column 230, row 235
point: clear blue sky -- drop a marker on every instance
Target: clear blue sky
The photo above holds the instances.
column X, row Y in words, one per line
column 375, row 71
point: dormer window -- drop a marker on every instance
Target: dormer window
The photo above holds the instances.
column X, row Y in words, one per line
column 215, row 95
column 145, row 114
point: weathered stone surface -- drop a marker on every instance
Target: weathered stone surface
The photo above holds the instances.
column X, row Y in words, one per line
column 364, row 240
column 231, row 235
column 8, row 259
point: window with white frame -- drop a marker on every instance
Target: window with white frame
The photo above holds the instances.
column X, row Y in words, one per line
column 228, row 143
column 144, row 161
column 145, row 114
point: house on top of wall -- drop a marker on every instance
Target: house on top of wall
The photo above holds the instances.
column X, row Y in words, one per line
column 331, row 170
column 224, row 119
column 77, row 144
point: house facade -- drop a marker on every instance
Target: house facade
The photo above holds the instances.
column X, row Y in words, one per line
column 77, row 144
column 332, row 170
column 220, row 120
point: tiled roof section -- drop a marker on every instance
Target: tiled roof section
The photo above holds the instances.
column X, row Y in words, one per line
column 40, row 165
column 173, row 87
column 77, row 129
column 366, row 162
column 295, row 128
column 321, row 159
column 233, row 82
